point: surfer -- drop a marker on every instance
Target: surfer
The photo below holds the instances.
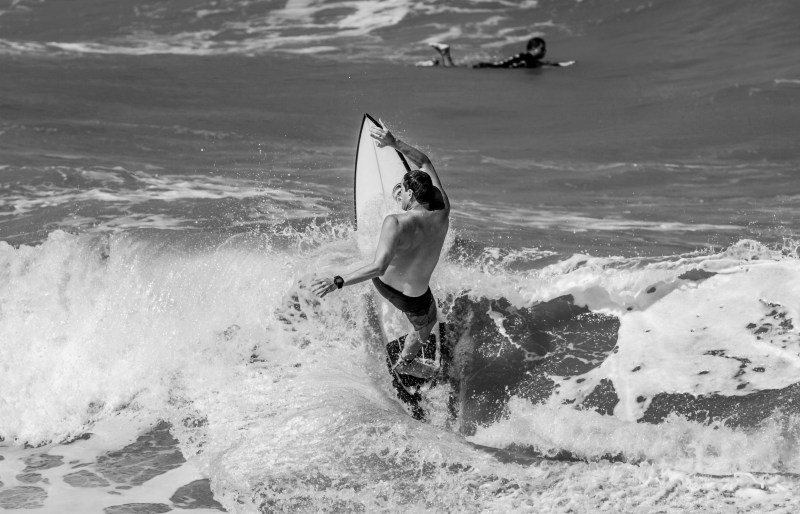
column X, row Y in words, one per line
column 407, row 252
column 535, row 51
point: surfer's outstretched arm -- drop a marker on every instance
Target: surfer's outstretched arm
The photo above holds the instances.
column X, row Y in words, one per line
column 384, row 137
column 387, row 244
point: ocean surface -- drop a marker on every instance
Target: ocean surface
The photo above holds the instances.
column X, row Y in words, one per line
column 621, row 278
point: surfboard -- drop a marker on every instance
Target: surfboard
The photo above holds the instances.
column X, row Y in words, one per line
column 377, row 172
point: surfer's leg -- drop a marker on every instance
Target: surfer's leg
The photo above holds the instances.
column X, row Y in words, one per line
column 444, row 51
column 408, row 363
column 423, row 321
column 414, row 341
column 417, row 367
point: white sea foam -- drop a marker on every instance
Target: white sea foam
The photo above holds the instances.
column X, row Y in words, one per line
column 124, row 190
column 681, row 445
column 21, row 47
column 206, row 340
column 738, row 337
column 68, row 478
column 302, row 26
column 573, row 221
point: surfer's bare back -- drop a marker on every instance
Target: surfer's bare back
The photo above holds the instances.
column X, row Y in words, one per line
column 407, row 252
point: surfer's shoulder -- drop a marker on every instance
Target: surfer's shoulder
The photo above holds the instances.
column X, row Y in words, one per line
column 401, row 222
column 392, row 221
column 404, row 222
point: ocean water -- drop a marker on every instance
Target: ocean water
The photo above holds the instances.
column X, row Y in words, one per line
column 621, row 278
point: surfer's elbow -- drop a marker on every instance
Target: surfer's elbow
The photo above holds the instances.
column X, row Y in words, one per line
column 381, row 265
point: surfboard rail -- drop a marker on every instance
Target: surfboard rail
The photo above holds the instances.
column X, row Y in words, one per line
column 362, row 134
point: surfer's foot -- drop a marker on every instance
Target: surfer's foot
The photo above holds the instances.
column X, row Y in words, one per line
column 420, row 368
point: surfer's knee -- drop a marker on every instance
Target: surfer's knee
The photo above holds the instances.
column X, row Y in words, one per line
column 429, row 327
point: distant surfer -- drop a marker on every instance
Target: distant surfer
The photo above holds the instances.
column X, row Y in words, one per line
column 407, row 252
column 532, row 57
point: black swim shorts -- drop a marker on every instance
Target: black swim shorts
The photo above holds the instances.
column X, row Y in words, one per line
column 420, row 310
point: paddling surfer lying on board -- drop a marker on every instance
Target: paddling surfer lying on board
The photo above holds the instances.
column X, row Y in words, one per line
column 532, row 57
column 407, row 252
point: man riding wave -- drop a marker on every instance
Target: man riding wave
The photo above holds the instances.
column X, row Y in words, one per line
column 407, row 252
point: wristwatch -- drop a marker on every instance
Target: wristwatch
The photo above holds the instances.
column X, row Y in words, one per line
column 339, row 281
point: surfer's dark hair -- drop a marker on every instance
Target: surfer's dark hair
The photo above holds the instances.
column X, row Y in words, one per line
column 421, row 186
column 536, row 42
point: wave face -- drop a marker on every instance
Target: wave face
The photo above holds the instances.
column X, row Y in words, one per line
column 287, row 406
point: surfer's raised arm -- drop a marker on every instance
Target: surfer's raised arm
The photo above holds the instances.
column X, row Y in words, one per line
column 384, row 137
